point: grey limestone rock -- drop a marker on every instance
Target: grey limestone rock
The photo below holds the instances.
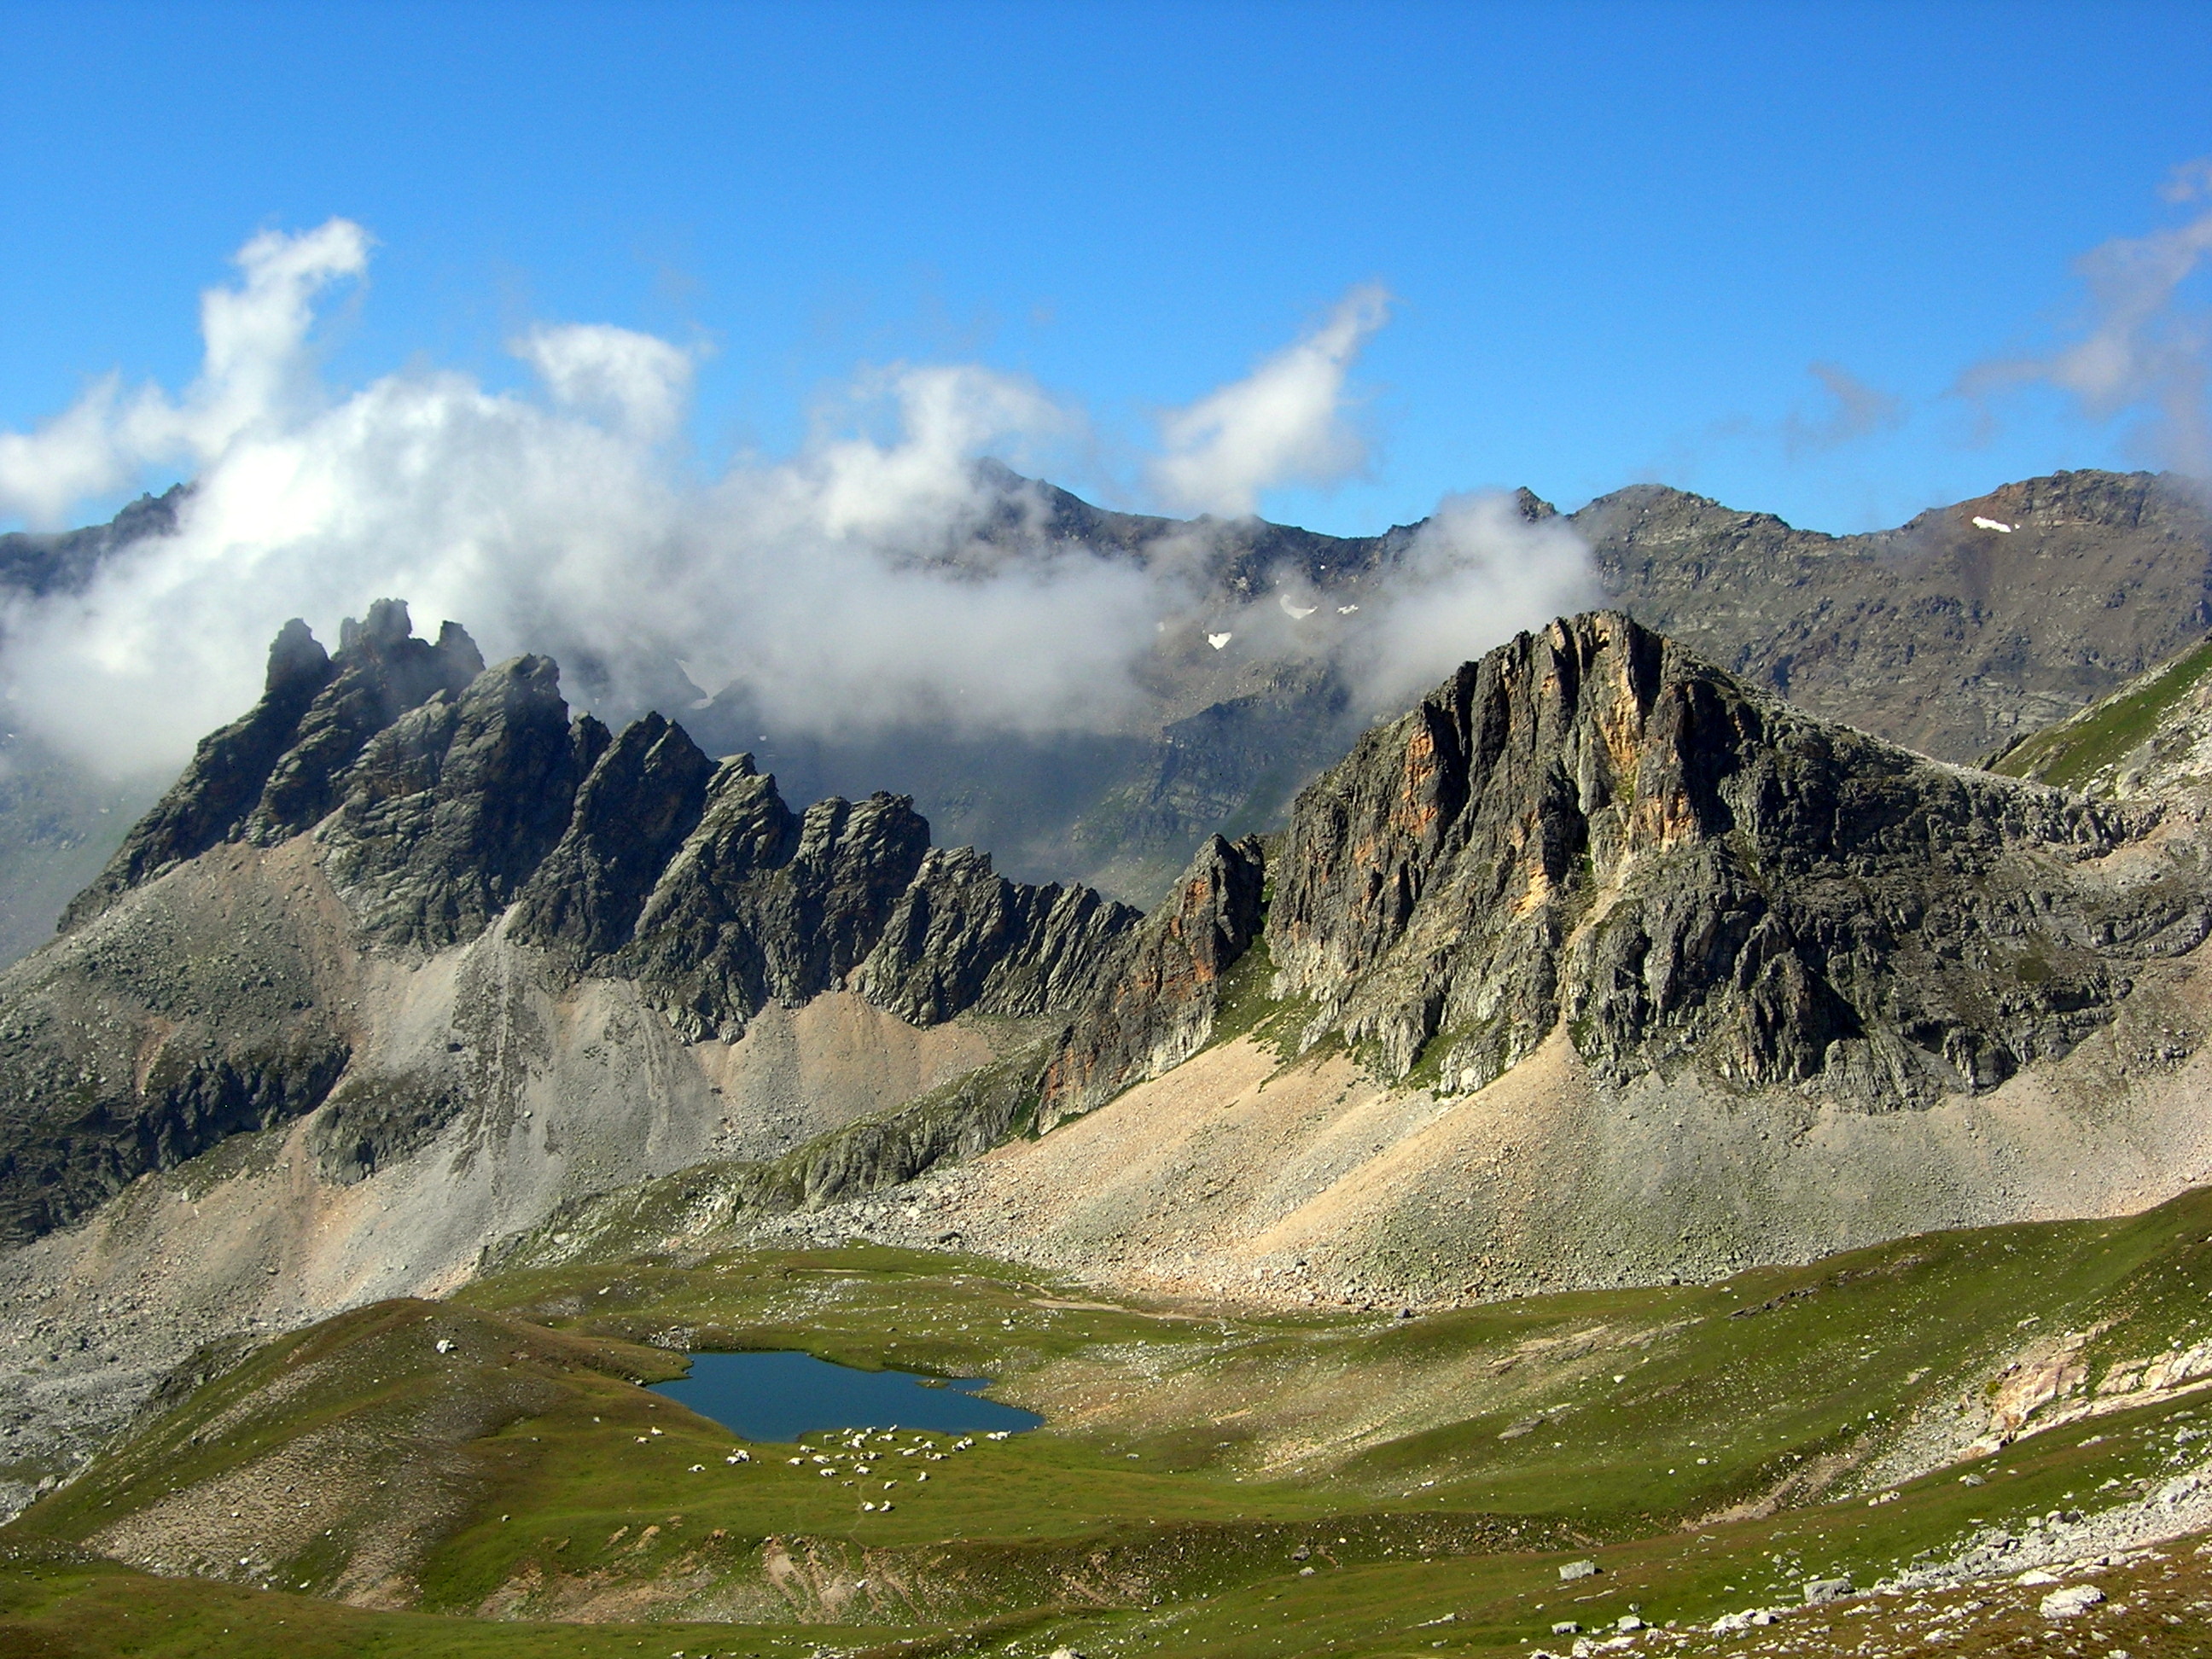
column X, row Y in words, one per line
column 762, row 904
column 369, row 1122
column 145, row 1038
column 1160, row 1008
column 382, row 671
column 451, row 808
column 276, row 771
column 962, row 936
column 1591, row 826
column 641, row 801
column 206, row 805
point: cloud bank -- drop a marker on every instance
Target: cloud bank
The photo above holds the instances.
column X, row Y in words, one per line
column 875, row 578
column 2145, row 349
column 1283, row 423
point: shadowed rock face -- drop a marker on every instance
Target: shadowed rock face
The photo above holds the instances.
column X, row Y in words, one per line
column 203, row 1010
column 194, row 997
column 276, row 771
column 1588, row 828
column 642, row 799
column 451, row 808
column 1591, row 826
column 382, row 672
column 762, row 905
column 964, row 937
column 1160, row 1008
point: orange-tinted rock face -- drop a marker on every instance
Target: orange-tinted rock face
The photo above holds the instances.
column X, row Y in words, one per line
column 1160, row 1010
column 1591, row 826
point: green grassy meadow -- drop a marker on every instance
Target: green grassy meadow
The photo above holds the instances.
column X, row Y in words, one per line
column 1208, row 1481
column 2068, row 755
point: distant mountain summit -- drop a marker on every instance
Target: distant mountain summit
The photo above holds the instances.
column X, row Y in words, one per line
column 414, row 969
column 1955, row 634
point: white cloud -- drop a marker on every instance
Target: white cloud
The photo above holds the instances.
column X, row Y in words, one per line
column 253, row 372
column 1283, row 423
column 2146, row 349
column 1477, row 572
column 863, row 581
column 637, row 382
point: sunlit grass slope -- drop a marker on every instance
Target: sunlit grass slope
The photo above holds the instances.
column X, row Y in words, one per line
column 2069, row 754
column 1207, row 1481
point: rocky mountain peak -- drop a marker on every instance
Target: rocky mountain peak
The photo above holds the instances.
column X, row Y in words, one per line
column 296, row 658
column 275, row 771
column 1959, row 633
column 1591, row 826
column 452, row 807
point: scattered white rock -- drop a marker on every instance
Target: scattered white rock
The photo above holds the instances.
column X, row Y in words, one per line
column 2074, row 1599
column 1818, row 1590
column 445, row 1345
column 1573, row 1570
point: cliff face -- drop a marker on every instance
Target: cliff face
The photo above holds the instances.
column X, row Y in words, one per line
column 277, row 770
column 1954, row 634
column 1160, row 1008
column 1591, row 826
column 1944, row 634
column 416, row 804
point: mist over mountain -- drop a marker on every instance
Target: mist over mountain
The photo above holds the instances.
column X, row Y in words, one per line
column 1947, row 635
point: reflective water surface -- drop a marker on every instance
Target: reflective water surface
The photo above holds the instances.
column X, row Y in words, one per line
column 780, row 1396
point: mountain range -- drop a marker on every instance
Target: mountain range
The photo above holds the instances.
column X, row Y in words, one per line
column 1675, row 941
column 1945, row 634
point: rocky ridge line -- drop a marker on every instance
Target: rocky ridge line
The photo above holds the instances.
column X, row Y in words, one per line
column 443, row 800
column 1592, row 825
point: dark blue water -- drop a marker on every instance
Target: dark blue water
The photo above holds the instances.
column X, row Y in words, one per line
column 780, row 1396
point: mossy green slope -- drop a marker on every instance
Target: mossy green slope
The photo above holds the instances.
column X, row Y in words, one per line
column 2072, row 754
column 1298, row 1483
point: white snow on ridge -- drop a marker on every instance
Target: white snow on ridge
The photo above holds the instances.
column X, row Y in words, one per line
column 1294, row 612
column 1216, row 641
column 1992, row 524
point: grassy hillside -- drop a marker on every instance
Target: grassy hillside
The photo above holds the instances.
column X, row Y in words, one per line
column 1206, row 1483
column 2072, row 753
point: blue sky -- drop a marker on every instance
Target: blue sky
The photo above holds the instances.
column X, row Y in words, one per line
column 1616, row 238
